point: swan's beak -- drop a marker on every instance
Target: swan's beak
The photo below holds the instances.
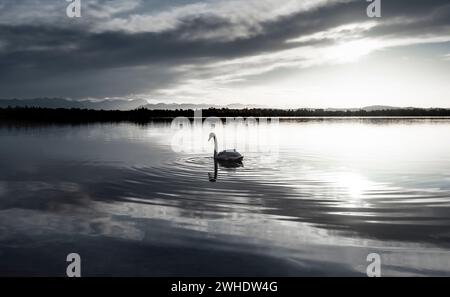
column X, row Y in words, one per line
column 209, row 138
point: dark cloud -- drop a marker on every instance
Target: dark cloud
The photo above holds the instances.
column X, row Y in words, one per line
column 49, row 60
column 426, row 20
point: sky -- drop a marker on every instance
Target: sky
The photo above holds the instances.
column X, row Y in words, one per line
column 280, row 53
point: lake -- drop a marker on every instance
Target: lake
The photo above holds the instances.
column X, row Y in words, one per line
column 313, row 197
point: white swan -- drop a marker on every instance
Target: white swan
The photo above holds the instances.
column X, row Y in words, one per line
column 227, row 155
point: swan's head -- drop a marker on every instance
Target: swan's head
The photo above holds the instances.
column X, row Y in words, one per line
column 211, row 136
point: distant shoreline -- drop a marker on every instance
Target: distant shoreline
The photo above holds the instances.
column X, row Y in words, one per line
column 74, row 115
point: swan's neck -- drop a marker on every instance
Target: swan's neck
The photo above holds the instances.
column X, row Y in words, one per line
column 215, row 147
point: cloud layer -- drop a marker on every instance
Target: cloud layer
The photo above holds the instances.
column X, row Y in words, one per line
column 197, row 50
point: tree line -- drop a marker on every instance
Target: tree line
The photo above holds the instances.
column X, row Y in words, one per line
column 142, row 115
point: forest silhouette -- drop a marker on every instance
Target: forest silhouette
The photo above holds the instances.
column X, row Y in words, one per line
column 142, row 115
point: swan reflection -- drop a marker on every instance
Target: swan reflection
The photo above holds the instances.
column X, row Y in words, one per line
column 224, row 164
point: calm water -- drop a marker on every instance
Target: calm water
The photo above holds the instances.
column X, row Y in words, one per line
column 314, row 197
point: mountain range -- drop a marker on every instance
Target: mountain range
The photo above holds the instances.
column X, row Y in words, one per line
column 122, row 104
column 110, row 104
column 67, row 103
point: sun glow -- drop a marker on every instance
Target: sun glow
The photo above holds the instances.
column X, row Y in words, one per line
column 352, row 51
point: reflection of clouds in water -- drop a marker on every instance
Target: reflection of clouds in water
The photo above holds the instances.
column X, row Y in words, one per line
column 48, row 209
column 297, row 241
column 261, row 227
column 42, row 224
column 242, row 232
column 256, row 227
column 41, row 186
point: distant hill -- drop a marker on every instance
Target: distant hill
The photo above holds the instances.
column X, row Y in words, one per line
column 186, row 106
column 383, row 107
column 111, row 104
column 122, row 104
column 369, row 108
column 66, row 103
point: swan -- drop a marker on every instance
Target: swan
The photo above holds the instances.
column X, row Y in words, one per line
column 227, row 155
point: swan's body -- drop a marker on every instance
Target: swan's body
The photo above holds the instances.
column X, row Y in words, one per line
column 227, row 155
